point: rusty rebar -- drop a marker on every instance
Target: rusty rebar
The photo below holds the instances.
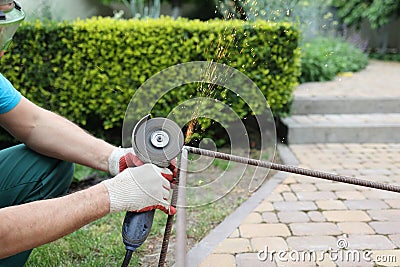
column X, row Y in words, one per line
column 174, row 202
column 295, row 170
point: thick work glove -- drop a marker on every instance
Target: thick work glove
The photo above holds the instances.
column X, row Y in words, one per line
column 122, row 158
column 143, row 188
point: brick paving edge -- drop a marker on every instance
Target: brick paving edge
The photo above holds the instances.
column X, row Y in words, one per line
column 207, row 245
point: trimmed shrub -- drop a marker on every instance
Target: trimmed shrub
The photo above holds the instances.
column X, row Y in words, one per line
column 323, row 58
column 385, row 57
column 88, row 70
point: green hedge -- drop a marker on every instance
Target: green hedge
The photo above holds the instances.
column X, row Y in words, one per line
column 88, row 70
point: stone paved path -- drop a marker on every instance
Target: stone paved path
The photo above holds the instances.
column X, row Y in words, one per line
column 378, row 79
column 305, row 221
column 306, row 214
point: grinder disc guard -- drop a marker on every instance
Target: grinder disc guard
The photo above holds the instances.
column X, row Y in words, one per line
column 157, row 140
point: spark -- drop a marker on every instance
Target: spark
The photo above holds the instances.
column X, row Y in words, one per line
column 222, row 47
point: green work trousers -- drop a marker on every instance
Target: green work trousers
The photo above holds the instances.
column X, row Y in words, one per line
column 26, row 176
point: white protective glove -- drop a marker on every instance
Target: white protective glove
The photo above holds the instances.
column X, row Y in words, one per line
column 122, row 158
column 143, row 188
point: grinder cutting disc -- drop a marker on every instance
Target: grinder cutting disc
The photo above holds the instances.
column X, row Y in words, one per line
column 157, row 140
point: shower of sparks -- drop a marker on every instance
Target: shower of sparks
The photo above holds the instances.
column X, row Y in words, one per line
column 207, row 86
column 246, row 10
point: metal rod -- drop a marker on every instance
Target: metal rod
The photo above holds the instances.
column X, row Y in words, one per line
column 170, row 219
column 296, row 170
column 181, row 238
column 165, row 243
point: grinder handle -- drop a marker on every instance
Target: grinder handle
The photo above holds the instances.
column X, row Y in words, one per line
column 136, row 228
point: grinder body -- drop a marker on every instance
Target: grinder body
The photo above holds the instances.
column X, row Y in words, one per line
column 156, row 141
column 136, row 228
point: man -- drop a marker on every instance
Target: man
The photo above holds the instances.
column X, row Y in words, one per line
column 35, row 175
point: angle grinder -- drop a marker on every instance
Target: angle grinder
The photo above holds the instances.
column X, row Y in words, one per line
column 156, row 141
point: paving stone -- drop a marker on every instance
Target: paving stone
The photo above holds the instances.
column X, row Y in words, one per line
column 374, row 172
column 303, row 187
column 305, row 179
column 314, row 228
column 294, row 205
column 218, row 260
column 269, row 217
column 334, row 186
column 289, row 196
column 385, row 215
column 395, row 171
column 346, row 216
column 334, row 147
column 380, row 194
column 265, row 206
column 253, row 217
column 251, row 259
column 318, row 195
column 366, row 204
column 260, row 230
column 316, row 216
column 353, row 147
column 272, row 243
column 325, row 261
column 300, row 177
column 274, row 196
column 349, row 195
column 289, row 263
column 326, row 167
column 355, row 228
column 331, row 204
column 394, row 203
column 282, row 188
column 316, row 243
column 235, row 234
column 353, row 164
column 395, row 239
column 233, row 246
column 374, row 169
column 292, row 216
column 386, row 228
column 290, row 180
column 363, row 242
column 350, row 172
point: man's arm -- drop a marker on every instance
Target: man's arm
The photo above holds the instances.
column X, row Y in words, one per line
column 55, row 136
column 30, row 225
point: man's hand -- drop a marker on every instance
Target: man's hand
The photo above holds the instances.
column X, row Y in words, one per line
column 122, row 158
column 143, row 188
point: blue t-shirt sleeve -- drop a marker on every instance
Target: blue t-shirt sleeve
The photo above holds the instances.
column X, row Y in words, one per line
column 9, row 97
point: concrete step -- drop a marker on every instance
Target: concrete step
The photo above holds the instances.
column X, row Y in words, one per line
column 343, row 128
column 345, row 105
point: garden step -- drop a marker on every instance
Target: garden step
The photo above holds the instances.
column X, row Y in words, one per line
column 344, row 105
column 343, row 128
